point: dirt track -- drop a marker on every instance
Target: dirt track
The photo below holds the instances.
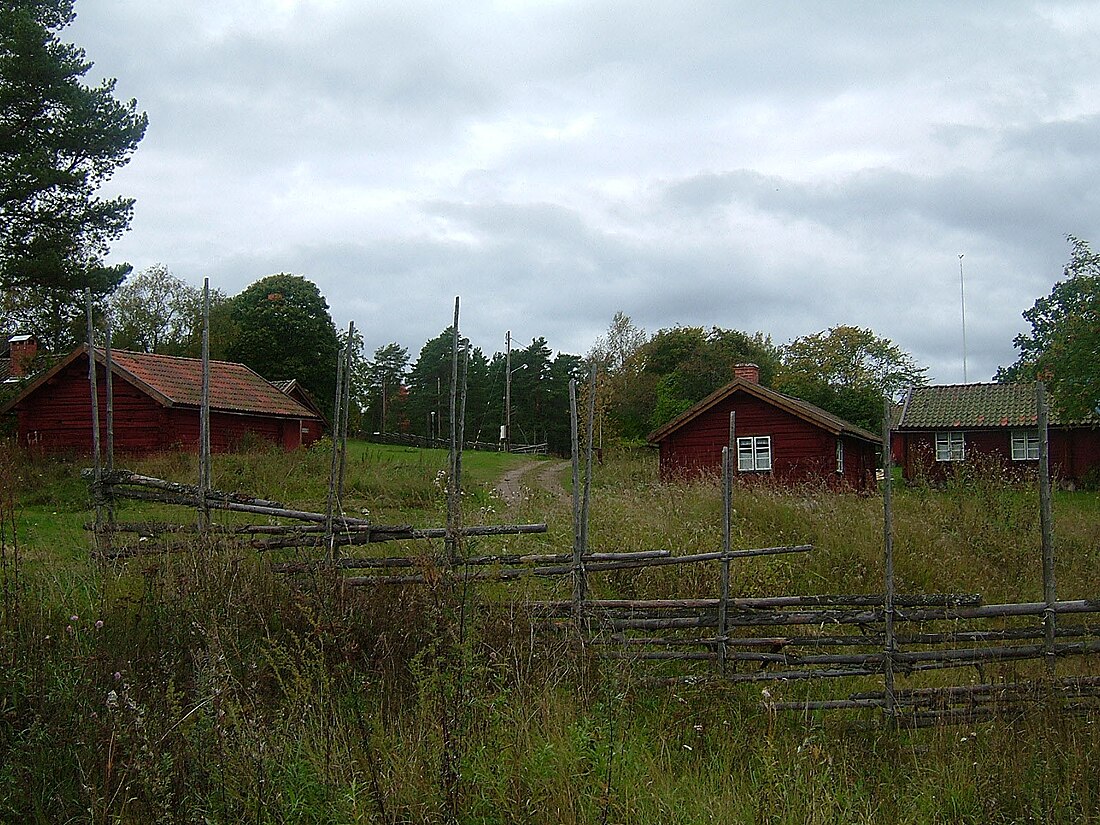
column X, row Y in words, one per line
column 542, row 475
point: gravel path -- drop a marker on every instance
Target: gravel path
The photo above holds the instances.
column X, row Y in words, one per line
column 542, row 475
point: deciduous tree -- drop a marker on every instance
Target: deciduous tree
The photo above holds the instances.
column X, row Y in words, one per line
column 847, row 370
column 154, row 311
column 1063, row 347
column 689, row 363
column 616, row 356
column 284, row 330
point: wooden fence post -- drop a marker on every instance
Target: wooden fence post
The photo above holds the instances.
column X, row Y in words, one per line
column 586, row 502
column 578, row 533
column 888, row 545
column 109, row 387
column 338, row 464
column 453, row 492
column 724, row 593
column 334, row 459
column 460, row 440
column 345, row 411
column 204, row 413
column 729, row 454
column 1046, row 520
column 97, row 494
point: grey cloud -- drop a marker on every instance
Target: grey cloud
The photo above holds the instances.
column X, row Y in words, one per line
column 780, row 167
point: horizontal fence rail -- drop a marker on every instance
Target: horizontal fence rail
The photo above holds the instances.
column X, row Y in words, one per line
column 427, row 442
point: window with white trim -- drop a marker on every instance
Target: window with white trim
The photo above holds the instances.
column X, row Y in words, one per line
column 950, row 447
column 754, row 453
column 840, row 456
column 1025, row 445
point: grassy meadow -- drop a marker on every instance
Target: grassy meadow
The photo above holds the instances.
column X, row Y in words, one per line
column 201, row 687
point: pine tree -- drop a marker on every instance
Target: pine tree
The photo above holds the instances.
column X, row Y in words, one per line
column 60, row 140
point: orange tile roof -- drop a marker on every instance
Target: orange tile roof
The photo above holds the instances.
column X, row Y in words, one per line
column 178, row 382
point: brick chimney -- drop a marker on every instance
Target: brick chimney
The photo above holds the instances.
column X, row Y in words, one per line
column 747, row 372
column 23, row 349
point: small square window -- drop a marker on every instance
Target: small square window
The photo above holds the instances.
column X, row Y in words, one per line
column 1025, row 445
column 950, row 447
column 754, row 453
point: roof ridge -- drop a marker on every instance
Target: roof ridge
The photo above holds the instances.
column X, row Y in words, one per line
column 160, row 355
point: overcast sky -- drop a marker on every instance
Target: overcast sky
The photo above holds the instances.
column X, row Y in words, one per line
column 781, row 167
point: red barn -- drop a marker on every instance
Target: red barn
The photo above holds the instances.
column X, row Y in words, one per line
column 778, row 437
column 156, row 406
column 948, row 426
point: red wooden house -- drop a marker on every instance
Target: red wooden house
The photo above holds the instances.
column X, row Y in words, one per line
column 156, row 401
column 944, row 427
column 777, row 436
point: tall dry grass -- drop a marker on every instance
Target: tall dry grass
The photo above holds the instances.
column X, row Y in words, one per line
column 201, row 687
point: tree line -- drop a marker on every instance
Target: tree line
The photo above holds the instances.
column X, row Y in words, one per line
column 281, row 327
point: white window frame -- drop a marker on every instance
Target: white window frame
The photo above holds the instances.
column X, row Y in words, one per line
column 950, row 446
column 840, row 456
column 754, row 454
column 1024, row 445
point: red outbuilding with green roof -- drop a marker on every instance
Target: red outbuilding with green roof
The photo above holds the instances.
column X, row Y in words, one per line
column 942, row 428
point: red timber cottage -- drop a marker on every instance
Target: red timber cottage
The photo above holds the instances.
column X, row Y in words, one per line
column 944, row 427
column 156, row 406
column 778, row 436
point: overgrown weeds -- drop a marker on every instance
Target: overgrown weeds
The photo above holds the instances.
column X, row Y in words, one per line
column 202, row 687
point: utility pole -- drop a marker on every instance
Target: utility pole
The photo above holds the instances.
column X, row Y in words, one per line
column 507, row 391
column 382, row 426
column 962, row 303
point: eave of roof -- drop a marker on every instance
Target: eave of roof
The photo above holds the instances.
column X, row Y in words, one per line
column 795, row 406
